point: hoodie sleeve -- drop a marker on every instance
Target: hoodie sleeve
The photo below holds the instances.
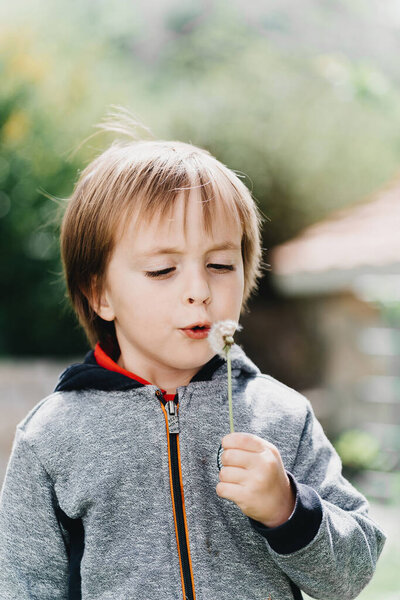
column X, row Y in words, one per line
column 329, row 546
column 33, row 555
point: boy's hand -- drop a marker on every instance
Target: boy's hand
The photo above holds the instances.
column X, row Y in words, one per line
column 253, row 476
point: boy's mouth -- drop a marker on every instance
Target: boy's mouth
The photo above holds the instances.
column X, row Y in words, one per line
column 197, row 330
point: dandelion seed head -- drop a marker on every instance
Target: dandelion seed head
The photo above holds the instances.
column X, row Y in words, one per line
column 220, row 336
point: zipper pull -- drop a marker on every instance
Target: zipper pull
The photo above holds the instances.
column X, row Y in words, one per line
column 172, row 414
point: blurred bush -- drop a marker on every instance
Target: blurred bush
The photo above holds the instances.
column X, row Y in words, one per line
column 31, row 318
column 358, row 450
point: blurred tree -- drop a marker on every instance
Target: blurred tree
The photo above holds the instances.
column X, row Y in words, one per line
column 308, row 142
column 32, row 318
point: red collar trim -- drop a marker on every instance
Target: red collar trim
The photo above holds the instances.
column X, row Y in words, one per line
column 105, row 361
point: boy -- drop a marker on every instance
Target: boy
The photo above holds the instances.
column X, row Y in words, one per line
column 112, row 489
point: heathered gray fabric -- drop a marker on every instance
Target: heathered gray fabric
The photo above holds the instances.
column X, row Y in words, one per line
column 102, row 456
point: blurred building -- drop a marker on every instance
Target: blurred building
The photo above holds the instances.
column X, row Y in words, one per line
column 347, row 268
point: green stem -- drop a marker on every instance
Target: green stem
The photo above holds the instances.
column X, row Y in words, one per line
column 228, row 360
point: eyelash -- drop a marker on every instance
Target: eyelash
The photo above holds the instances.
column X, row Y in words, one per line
column 166, row 271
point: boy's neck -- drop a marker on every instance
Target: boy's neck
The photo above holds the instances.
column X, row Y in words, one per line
column 165, row 381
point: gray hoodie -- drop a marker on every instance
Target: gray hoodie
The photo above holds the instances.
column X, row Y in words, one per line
column 110, row 494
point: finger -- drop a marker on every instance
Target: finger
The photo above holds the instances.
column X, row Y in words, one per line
column 230, row 491
column 243, row 441
column 233, row 475
column 238, row 458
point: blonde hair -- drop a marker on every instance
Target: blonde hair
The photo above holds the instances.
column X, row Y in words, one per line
column 144, row 178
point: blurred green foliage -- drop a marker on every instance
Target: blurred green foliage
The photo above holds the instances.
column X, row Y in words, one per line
column 31, row 319
column 358, row 450
column 308, row 132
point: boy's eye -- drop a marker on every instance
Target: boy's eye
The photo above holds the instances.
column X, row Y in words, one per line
column 221, row 267
column 159, row 273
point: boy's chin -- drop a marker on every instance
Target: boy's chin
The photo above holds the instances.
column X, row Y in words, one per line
column 194, row 358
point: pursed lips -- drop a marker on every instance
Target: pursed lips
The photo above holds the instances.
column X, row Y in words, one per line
column 199, row 325
column 196, row 331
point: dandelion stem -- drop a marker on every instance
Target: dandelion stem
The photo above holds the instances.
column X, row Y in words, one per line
column 228, row 360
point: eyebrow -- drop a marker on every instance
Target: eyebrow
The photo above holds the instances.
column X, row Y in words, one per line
column 175, row 250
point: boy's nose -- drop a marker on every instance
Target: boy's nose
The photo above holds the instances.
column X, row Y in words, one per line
column 200, row 295
column 197, row 290
column 200, row 301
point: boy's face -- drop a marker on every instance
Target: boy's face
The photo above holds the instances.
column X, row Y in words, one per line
column 151, row 312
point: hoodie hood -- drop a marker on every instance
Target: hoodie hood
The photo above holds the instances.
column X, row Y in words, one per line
column 90, row 375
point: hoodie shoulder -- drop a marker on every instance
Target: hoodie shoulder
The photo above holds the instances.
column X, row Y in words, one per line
column 46, row 414
column 283, row 390
column 283, row 401
column 268, row 398
column 266, row 385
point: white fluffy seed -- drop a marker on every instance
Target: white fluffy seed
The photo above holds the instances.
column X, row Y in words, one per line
column 220, row 336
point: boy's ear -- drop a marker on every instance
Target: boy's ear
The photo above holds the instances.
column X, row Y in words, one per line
column 100, row 302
